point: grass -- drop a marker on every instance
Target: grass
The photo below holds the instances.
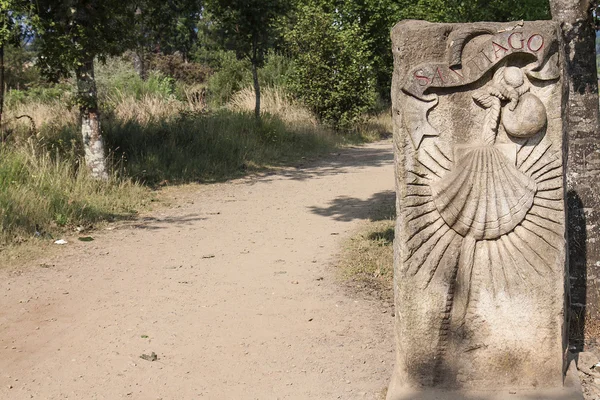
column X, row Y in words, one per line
column 42, row 195
column 210, row 147
column 367, row 259
column 273, row 101
column 157, row 132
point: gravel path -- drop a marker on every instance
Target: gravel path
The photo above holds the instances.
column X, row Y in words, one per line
column 233, row 290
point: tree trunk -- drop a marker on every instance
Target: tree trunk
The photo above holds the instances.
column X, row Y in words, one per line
column 254, row 60
column 256, row 89
column 581, row 129
column 90, row 121
column 139, row 63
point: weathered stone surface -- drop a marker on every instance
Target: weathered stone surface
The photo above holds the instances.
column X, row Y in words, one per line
column 480, row 235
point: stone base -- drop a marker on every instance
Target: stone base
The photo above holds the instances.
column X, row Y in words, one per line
column 551, row 394
column 570, row 391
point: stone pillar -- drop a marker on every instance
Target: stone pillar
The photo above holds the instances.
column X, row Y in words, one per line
column 480, row 251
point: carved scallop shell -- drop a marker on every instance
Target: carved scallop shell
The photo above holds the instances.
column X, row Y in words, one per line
column 485, row 195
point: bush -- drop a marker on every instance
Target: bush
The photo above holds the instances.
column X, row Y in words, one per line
column 333, row 74
column 39, row 94
column 117, row 79
column 174, row 66
column 20, row 71
column 276, row 71
column 231, row 76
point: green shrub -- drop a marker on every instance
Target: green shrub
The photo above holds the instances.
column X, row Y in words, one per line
column 174, row 66
column 333, row 74
column 276, row 71
column 20, row 71
column 41, row 94
column 117, row 79
column 232, row 76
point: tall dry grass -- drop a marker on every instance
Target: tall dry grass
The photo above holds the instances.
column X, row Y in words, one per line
column 272, row 101
column 277, row 102
column 54, row 113
column 41, row 195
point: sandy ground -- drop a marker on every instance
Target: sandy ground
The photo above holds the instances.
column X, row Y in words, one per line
column 233, row 290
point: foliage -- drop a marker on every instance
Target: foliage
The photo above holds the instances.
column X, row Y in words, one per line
column 176, row 67
column 231, row 76
column 277, row 70
column 249, row 27
column 489, row 10
column 40, row 94
column 333, row 76
column 72, row 32
column 209, row 43
column 374, row 20
column 166, row 27
column 19, row 67
column 12, row 18
column 116, row 80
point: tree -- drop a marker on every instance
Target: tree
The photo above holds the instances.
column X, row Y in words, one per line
column 581, row 127
column 375, row 18
column 334, row 73
column 166, row 27
column 250, row 27
column 71, row 34
column 12, row 13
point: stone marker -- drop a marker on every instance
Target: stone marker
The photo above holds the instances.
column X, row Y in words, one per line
column 480, row 235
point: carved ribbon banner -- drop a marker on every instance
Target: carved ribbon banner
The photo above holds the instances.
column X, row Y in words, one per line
column 539, row 45
column 488, row 55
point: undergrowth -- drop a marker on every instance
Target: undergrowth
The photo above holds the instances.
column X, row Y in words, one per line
column 41, row 195
column 210, row 147
column 367, row 260
column 157, row 131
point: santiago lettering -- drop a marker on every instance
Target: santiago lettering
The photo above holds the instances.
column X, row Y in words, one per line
column 487, row 55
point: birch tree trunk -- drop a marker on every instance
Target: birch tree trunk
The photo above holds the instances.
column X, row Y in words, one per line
column 93, row 143
column 139, row 63
column 581, row 130
column 256, row 90
column 254, row 60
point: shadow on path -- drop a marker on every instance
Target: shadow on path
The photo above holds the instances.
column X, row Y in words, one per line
column 341, row 162
column 155, row 223
column 378, row 207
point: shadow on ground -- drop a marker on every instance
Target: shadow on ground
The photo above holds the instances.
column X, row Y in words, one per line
column 378, row 207
column 348, row 160
column 155, row 223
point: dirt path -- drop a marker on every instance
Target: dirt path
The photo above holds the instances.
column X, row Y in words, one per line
column 233, row 291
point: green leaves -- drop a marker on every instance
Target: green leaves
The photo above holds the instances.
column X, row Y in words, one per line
column 167, row 26
column 334, row 73
column 250, row 27
column 71, row 32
